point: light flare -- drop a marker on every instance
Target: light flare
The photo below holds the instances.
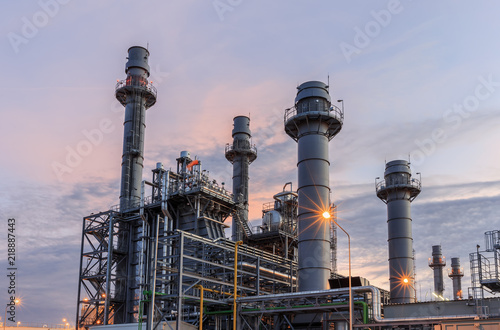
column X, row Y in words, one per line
column 404, row 282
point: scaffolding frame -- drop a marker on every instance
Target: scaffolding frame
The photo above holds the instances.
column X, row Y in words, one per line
column 485, row 274
column 100, row 256
column 147, row 264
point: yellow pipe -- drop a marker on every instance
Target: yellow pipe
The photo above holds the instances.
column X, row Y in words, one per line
column 220, row 292
column 236, row 244
column 201, row 304
column 199, row 286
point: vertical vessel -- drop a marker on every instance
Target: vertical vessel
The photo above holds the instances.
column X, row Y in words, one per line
column 241, row 153
column 398, row 189
column 312, row 123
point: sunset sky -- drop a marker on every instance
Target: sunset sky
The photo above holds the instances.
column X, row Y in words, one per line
column 417, row 78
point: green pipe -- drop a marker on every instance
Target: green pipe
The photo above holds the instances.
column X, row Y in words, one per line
column 141, row 305
column 140, row 315
column 149, row 292
column 365, row 309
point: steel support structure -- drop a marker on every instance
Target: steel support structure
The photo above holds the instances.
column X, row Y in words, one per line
column 178, row 243
column 99, row 297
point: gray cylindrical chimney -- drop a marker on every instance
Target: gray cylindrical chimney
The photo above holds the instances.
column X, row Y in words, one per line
column 136, row 94
column 313, row 122
column 398, row 190
column 437, row 262
column 241, row 153
column 456, row 275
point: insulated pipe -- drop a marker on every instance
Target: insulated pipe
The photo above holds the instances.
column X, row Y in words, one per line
column 362, row 303
column 456, row 275
column 241, row 154
column 198, row 286
column 398, row 190
column 236, row 244
column 375, row 301
column 136, row 94
column 437, row 262
column 313, row 122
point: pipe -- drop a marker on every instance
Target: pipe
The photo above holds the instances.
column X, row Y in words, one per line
column 267, row 270
column 220, row 292
column 236, row 244
column 376, row 305
column 362, row 303
column 350, row 276
column 199, row 286
column 191, row 164
column 151, row 311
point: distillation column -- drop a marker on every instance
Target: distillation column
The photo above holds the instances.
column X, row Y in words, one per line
column 456, row 275
column 241, row 154
column 313, row 122
column 437, row 263
column 136, row 94
column 398, row 190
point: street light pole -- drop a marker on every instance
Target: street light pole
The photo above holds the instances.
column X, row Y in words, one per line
column 16, row 302
column 328, row 215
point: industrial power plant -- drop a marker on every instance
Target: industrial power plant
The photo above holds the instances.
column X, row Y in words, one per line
column 161, row 259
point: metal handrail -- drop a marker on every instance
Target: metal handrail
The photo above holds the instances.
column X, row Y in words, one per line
column 413, row 183
column 137, row 81
column 439, row 262
column 338, row 113
column 230, row 147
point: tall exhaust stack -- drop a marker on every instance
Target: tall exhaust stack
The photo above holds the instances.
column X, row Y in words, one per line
column 313, row 122
column 398, row 190
column 241, row 154
column 136, row 94
column 456, row 275
column 437, row 263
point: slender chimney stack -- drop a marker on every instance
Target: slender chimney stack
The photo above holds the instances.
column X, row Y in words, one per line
column 241, row 154
column 456, row 275
column 136, row 94
column 398, row 190
column 437, row 262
